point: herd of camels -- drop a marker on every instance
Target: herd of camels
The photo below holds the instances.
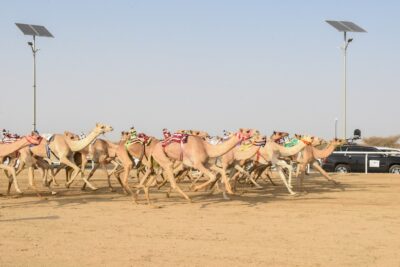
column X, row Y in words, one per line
column 208, row 162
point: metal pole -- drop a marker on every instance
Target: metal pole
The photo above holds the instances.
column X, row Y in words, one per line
column 336, row 122
column 34, row 82
column 345, row 86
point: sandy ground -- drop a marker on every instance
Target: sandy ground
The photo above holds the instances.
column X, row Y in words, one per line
column 357, row 224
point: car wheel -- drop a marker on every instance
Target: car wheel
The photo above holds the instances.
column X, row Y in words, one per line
column 342, row 168
column 395, row 169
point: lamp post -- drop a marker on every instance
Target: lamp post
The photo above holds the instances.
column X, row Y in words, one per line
column 336, row 122
column 34, row 30
column 345, row 26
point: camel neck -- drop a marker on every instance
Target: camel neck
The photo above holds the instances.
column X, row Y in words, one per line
column 214, row 151
column 7, row 149
column 323, row 153
column 81, row 144
column 287, row 151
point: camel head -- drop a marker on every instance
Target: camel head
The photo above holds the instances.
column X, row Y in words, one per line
column 338, row 142
column 201, row 134
column 308, row 140
column 125, row 136
column 245, row 133
column 278, row 135
column 71, row 136
column 34, row 138
column 102, row 128
column 316, row 141
column 298, row 136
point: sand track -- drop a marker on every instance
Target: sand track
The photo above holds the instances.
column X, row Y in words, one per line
column 357, row 226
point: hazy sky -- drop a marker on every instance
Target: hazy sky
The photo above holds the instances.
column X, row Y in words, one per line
column 209, row 64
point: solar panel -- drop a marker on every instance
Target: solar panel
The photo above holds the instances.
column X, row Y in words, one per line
column 26, row 29
column 345, row 26
column 35, row 30
column 353, row 26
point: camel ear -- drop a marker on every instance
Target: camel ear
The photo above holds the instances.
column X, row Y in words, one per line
column 274, row 132
column 241, row 130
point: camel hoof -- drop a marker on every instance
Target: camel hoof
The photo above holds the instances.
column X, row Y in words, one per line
column 53, row 193
column 152, row 206
column 67, row 185
column 225, row 196
column 112, row 189
column 167, row 195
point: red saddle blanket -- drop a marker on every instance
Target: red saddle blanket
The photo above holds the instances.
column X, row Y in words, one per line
column 143, row 137
column 174, row 138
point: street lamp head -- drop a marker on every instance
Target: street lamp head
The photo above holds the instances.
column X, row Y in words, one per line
column 30, row 43
column 350, row 40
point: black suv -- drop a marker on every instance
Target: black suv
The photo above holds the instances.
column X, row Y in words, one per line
column 350, row 162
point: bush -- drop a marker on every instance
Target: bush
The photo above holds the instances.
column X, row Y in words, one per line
column 390, row 141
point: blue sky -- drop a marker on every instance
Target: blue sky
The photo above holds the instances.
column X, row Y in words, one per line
column 210, row 65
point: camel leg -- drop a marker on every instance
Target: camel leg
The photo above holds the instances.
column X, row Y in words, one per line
column 269, row 178
column 289, row 169
column 104, row 168
column 75, row 173
column 32, row 181
column 228, row 186
column 300, row 176
column 316, row 166
column 170, row 176
column 126, row 187
column 212, row 177
column 240, row 169
column 12, row 178
column 283, row 178
column 96, row 165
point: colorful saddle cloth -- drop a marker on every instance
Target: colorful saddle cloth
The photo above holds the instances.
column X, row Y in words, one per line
column 175, row 138
column 141, row 138
column 9, row 137
column 291, row 143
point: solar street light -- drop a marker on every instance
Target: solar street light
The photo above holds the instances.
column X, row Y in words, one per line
column 345, row 26
column 34, row 30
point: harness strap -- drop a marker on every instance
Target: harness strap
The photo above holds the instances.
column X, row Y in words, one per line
column 258, row 155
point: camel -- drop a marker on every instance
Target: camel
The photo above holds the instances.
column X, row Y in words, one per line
column 272, row 152
column 63, row 148
column 101, row 152
column 310, row 155
column 195, row 153
column 238, row 156
column 10, row 148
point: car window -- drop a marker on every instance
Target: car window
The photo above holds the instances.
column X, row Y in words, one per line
column 341, row 148
column 361, row 149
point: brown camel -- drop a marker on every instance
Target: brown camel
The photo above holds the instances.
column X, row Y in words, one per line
column 63, row 148
column 237, row 157
column 101, row 152
column 195, row 153
column 272, row 152
column 310, row 155
column 7, row 149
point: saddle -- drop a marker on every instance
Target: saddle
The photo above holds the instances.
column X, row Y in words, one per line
column 291, row 143
column 9, row 137
column 141, row 138
column 175, row 138
column 180, row 138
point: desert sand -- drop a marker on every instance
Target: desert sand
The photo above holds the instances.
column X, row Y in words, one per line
column 356, row 224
